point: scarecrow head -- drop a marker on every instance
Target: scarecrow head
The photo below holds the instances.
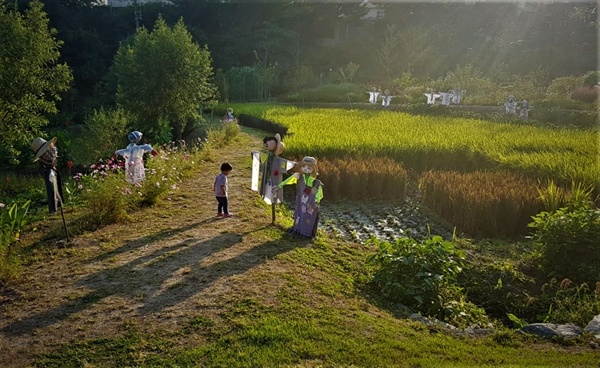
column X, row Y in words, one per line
column 134, row 136
column 274, row 144
column 308, row 165
column 40, row 146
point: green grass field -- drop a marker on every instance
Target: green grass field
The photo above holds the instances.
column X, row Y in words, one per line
column 424, row 142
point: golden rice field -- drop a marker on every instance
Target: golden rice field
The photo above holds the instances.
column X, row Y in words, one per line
column 425, row 142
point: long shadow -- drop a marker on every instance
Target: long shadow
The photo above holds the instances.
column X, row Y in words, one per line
column 140, row 242
column 146, row 276
column 195, row 282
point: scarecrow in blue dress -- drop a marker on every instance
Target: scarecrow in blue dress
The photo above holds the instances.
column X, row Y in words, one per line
column 134, row 158
column 308, row 197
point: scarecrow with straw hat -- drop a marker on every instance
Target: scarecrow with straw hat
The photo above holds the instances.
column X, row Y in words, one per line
column 46, row 153
column 308, row 197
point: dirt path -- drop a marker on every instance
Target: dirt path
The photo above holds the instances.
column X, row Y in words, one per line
column 171, row 263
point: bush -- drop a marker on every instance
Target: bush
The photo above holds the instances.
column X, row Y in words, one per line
column 105, row 131
column 418, row 274
column 568, row 241
column 591, row 78
column 12, row 221
column 561, row 88
column 585, row 94
column 567, row 302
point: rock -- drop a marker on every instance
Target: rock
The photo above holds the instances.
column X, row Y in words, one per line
column 552, row 330
column 594, row 326
column 475, row 330
column 429, row 322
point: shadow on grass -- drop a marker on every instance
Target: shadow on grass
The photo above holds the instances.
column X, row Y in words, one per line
column 148, row 279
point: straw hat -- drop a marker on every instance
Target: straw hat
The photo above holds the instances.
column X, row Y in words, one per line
column 40, row 146
column 280, row 146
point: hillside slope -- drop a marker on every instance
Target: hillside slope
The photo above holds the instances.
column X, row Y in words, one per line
column 178, row 286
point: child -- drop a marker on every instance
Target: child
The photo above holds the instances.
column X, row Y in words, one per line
column 220, row 188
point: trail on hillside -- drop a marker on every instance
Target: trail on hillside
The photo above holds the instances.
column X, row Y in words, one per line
column 172, row 261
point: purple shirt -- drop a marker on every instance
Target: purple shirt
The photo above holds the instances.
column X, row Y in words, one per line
column 221, row 181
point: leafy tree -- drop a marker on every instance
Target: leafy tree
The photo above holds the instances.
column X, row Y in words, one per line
column 388, row 55
column 31, row 78
column 163, row 78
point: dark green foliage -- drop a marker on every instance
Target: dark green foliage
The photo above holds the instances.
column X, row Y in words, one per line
column 591, row 78
column 105, row 131
column 568, row 241
column 416, row 273
column 164, row 78
column 344, row 93
column 31, row 77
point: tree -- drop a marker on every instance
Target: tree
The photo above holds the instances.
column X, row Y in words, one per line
column 164, row 78
column 31, row 78
column 387, row 56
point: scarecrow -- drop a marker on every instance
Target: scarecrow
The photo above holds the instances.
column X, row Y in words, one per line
column 308, row 197
column 511, row 105
column 229, row 117
column 272, row 169
column 47, row 154
column 134, row 158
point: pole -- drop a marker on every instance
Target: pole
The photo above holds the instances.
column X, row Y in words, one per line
column 62, row 214
column 272, row 212
column 57, row 193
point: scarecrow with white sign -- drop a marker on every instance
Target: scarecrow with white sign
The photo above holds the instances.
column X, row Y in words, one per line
column 270, row 171
column 308, row 197
column 134, row 158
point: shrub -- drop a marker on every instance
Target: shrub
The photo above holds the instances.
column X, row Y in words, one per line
column 415, row 273
column 561, row 88
column 568, row 241
column 105, row 131
column 591, row 78
column 221, row 137
column 567, row 302
column 12, row 221
column 585, row 94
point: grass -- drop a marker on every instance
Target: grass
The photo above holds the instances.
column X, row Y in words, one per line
column 246, row 295
column 317, row 319
column 424, row 142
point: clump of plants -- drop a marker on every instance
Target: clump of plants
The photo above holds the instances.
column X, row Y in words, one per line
column 567, row 241
column 568, row 302
column 13, row 219
column 423, row 276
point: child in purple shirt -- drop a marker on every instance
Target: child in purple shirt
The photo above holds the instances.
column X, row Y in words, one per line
column 220, row 187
